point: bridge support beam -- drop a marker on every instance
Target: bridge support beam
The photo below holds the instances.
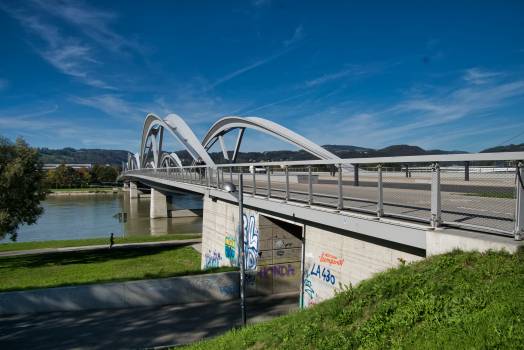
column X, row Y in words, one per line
column 158, row 208
column 133, row 189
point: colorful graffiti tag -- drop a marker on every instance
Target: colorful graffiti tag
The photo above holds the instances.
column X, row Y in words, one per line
column 212, row 259
column 280, row 272
column 251, row 242
column 332, row 260
column 231, row 248
column 326, row 274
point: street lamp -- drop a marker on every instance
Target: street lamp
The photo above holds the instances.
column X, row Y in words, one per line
column 230, row 187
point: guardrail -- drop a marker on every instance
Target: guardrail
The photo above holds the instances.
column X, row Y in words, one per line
column 491, row 201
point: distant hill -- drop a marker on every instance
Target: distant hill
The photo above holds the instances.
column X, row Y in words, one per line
column 509, row 148
column 90, row 156
column 116, row 157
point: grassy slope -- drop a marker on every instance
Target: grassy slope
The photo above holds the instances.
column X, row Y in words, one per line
column 5, row 247
column 26, row 272
column 454, row 301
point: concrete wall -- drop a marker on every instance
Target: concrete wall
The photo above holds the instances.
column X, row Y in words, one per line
column 165, row 291
column 333, row 256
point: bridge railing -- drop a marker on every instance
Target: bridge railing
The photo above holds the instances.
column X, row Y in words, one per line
column 414, row 188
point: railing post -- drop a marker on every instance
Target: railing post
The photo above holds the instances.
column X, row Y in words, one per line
column 231, row 174
column 380, row 202
column 254, row 181
column 310, row 186
column 340, row 190
column 268, row 183
column 407, row 170
column 519, row 205
column 222, row 172
column 218, row 178
column 355, row 168
column 287, row 182
column 436, row 219
column 466, row 171
column 207, row 177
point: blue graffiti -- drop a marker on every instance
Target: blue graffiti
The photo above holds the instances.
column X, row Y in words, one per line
column 226, row 290
column 212, row 259
column 250, row 242
column 326, row 274
column 250, row 279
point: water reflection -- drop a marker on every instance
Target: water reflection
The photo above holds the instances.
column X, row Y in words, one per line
column 91, row 216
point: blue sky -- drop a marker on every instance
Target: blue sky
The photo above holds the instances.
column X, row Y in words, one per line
column 435, row 74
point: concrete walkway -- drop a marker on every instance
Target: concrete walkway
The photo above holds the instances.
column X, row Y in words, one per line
column 197, row 243
column 142, row 327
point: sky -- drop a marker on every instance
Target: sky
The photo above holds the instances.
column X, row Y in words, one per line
column 436, row 74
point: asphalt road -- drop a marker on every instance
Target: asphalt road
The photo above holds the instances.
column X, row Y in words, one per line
column 133, row 328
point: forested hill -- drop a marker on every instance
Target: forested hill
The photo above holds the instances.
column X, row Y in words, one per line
column 339, row 150
column 90, row 156
column 115, row 157
column 509, row 148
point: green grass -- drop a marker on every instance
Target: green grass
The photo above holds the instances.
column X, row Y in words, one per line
column 490, row 195
column 454, row 301
column 52, row 270
column 6, row 247
column 88, row 189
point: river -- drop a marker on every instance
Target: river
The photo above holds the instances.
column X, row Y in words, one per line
column 91, row 216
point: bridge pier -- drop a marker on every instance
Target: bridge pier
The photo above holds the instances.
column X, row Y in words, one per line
column 158, row 208
column 133, row 189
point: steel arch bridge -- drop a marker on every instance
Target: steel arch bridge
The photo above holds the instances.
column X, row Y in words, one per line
column 153, row 134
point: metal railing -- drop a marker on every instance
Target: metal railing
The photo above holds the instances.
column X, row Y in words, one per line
column 491, row 201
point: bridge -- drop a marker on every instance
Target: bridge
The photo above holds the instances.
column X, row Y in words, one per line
column 309, row 225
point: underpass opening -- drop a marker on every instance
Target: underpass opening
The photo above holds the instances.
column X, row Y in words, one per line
column 279, row 256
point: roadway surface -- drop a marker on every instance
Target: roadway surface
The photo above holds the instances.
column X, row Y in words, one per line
column 133, row 328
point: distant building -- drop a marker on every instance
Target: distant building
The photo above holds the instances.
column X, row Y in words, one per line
column 74, row 166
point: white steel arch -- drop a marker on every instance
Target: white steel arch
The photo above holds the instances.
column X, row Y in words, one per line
column 228, row 124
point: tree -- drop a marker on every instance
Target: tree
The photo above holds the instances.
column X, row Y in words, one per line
column 22, row 186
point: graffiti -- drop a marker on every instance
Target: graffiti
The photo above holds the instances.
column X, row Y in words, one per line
column 307, row 286
column 332, row 260
column 279, row 244
column 226, row 290
column 212, row 259
column 251, row 242
column 309, row 255
column 161, row 288
column 288, row 245
column 250, row 279
column 201, row 284
column 231, row 248
column 345, row 220
column 280, row 272
column 280, row 253
column 326, row 274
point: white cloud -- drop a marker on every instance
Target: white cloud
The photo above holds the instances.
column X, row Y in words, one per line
column 296, row 37
column 477, row 76
column 352, row 71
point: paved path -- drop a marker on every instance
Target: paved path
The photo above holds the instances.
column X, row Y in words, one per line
column 194, row 242
column 134, row 328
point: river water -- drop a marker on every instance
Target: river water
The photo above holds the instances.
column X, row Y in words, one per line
column 91, row 216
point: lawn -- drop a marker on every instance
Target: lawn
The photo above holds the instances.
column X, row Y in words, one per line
column 6, row 247
column 52, row 270
column 454, row 301
column 88, row 189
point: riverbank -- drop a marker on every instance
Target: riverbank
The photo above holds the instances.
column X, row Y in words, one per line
column 7, row 247
column 82, row 191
